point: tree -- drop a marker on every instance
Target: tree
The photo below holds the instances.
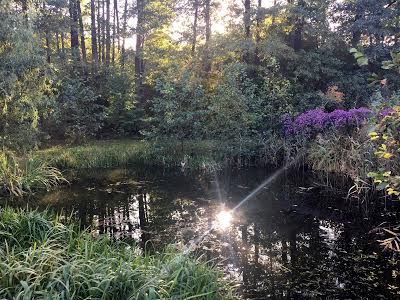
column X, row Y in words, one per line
column 95, row 58
column 139, row 62
column 74, row 30
column 195, row 21
column 108, row 34
column 207, row 18
column 82, row 34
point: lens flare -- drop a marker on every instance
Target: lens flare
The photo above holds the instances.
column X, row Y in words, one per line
column 223, row 220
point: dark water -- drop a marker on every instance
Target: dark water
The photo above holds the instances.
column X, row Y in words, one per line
column 288, row 242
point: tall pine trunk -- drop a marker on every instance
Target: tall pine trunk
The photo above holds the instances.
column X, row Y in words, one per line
column 82, row 34
column 196, row 15
column 207, row 19
column 58, row 42
column 62, row 42
column 247, row 32
column 47, row 38
column 117, row 29
column 139, row 49
column 99, row 29
column 74, row 31
column 113, row 37
column 108, row 33
column 125, row 19
column 103, row 34
column 258, row 34
column 93, row 35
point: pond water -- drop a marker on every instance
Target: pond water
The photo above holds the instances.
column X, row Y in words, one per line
column 290, row 241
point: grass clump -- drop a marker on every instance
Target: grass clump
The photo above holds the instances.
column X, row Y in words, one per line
column 21, row 176
column 44, row 258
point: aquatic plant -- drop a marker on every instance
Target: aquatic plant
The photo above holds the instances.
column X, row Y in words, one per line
column 21, row 176
column 315, row 121
column 349, row 156
column 44, row 258
column 189, row 155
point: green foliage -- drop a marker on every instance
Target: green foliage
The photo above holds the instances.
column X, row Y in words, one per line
column 179, row 110
column 77, row 113
column 41, row 257
column 24, row 86
column 387, row 139
column 116, row 91
column 248, row 102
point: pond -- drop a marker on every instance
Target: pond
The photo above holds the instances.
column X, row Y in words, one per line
column 289, row 241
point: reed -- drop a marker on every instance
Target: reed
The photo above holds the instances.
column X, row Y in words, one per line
column 21, row 176
column 43, row 257
column 123, row 153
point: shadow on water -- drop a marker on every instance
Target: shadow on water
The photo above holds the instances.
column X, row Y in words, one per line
column 289, row 242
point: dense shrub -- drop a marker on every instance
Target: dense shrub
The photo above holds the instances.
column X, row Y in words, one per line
column 77, row 113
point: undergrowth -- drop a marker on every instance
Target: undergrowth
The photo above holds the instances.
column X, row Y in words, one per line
column 43, row 257
column 192, row 155
column 21, row 176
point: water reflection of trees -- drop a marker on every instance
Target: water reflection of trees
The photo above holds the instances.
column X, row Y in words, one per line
column 276, row 247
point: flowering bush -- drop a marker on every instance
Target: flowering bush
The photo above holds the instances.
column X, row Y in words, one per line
column 315, row 121
column 387, row 138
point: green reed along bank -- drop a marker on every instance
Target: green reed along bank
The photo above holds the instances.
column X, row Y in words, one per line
column 44, row 257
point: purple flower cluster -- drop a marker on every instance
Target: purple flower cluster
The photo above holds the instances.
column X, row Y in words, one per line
column 385, row 112
column 316, row 120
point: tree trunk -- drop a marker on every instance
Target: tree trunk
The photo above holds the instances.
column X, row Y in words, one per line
column 139, row 48
column 297, row 34
column 356, row 34
column 113, row 37
column 258, row 34
column 207, row 61
column 99, row 28
column 117, row 24
column 125, row 16
column 103, row 34
column 58, row 42
column 108, row 33
column 47, row 38
column 62, row 42
column 94, row 35
column 48, row 47
column 82, row 33
column 196, row 14
column 247, row 32
column 74, row 31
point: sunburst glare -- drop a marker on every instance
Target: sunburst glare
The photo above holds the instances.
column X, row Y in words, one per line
column 223, row 220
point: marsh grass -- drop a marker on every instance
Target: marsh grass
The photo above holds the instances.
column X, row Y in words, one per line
column 44, row 258
column 343, row 161
column 122, row 153
column 22, row 176
column 193, row 155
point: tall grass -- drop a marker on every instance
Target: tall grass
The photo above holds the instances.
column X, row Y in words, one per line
column 21, row 176
column 122, row 153
column 191, row 155
column 350, row 157
column 44, row 258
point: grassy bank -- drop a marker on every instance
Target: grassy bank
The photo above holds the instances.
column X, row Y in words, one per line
column 122, row 153
column 44, row 258
column 41, row 169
